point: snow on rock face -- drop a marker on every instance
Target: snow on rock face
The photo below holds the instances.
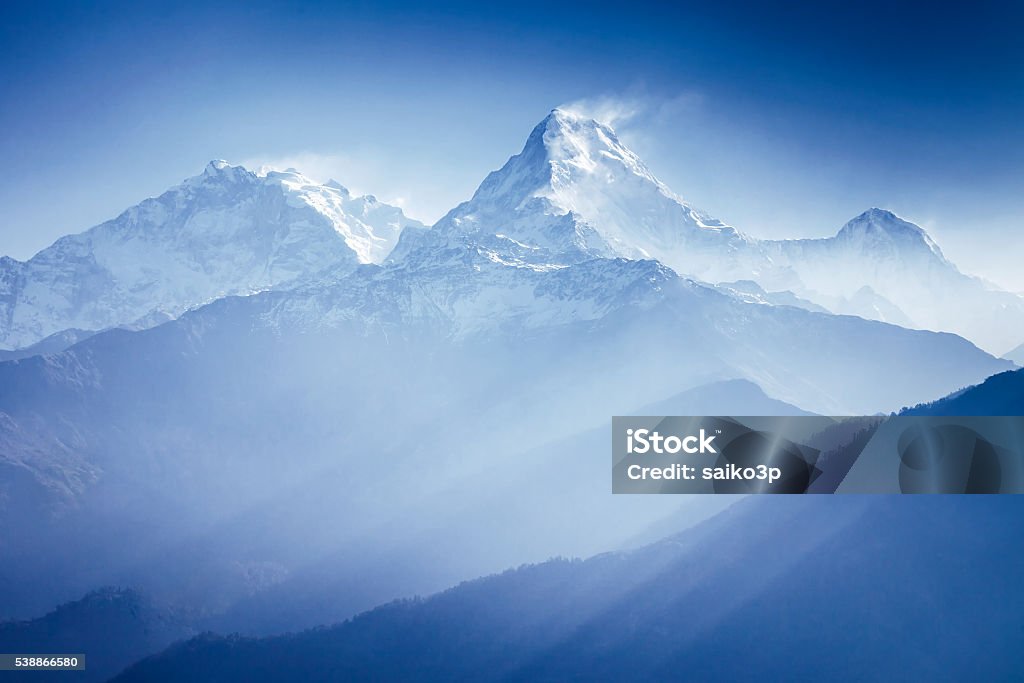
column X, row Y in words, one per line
column 576, row 192
column 881, row 267
column 878, row 227
column 876, row 239
column 464, row 289
column 226, row 231
column 369, row 227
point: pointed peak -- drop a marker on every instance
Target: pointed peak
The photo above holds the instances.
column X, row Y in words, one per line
column 218, row 171
column 218, row 168
column 215, row 166
column 565, row 116
column 561, row 149
column 881, row 226
column 879, row 221
column 564, row 136
column 879, row 215
column 564, row 121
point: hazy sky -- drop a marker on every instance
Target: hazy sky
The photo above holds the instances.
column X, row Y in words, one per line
column 783, row 122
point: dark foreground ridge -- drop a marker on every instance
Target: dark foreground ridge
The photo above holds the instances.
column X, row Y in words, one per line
column 1001, row 394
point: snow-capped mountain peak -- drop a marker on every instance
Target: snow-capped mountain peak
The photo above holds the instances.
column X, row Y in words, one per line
column 575, row 144
column 568, row 156
column 575, row 191
column 878, row 228
column 882, row 267
column 222, row 232
column 369, row 227
column 215, row 166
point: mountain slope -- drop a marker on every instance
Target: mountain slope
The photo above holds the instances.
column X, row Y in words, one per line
column 226, row 231
column 845, row 597
column 450, row 340
column 111, row 627
column 727, row 397
column 1001, row 394
column 564, row 510
column 1016, row 355
column 56, row 342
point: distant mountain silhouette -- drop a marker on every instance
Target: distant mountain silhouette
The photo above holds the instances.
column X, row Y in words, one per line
column 1016, row 355
column 727, row 397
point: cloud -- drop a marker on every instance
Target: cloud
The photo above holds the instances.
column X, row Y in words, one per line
column 607, row 109
column 635, row 107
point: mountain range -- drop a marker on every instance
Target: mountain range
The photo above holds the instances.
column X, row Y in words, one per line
column 543, row 615
column 574, row 193
column 269, row 403
column 108, row 440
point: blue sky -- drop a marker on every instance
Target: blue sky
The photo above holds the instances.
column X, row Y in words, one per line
column 785, row 122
